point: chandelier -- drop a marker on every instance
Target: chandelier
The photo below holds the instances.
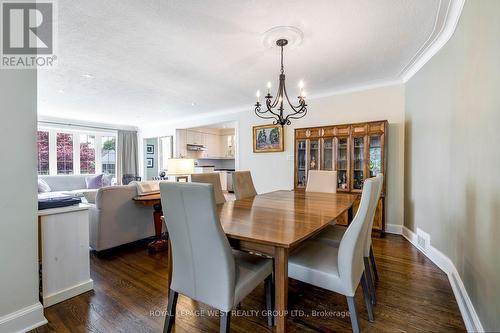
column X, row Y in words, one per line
column 274, row 108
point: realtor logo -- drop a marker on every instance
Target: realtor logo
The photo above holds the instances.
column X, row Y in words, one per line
column 27, row 34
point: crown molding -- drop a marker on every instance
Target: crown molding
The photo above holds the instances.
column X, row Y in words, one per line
column 445, row 24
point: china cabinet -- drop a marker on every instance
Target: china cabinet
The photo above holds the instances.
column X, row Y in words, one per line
column 356, row 151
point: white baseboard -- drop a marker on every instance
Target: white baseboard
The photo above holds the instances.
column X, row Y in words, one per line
column 65, row 294
column 394, row 229
column 23, row 320
column 469, row 314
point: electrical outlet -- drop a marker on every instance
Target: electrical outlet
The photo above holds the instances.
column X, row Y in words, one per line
column 423, row 239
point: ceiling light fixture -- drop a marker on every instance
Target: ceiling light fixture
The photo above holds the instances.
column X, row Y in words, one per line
column 274, row 109
column 87, row 76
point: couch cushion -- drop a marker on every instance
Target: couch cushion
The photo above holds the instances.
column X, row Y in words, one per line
column 65, row 182
column 43, row 187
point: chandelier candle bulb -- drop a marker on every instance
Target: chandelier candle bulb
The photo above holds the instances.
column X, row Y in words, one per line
column 258, row 95
column 269, row 88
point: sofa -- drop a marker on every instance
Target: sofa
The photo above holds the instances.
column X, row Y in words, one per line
column 115, row 219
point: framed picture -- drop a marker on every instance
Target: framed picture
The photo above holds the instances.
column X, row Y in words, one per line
column 150, row 149
column 150, row 162
column 267, row 138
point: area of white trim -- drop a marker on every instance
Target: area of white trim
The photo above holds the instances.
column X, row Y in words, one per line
column 427, row 51
column 23, row 320
column 68, row 293
column 467, row 310
column 394, row 229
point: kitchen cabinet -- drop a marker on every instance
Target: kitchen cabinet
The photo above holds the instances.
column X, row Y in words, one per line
column 356, row 151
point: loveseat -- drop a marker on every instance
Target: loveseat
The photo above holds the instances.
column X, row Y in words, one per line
column 115, row 219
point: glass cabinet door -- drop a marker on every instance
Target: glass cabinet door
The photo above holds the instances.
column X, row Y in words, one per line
column 301, row 163
column 358, row 162
column 327, row 155
column 342, row 162
column 375, row 165
column 313, row 155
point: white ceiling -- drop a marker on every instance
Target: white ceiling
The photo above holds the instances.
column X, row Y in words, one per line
column 150, row 60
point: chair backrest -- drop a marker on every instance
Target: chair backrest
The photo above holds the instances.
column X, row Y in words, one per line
column 351, row 249
column 211, row 178
column 322, row 181
column 203, row 263
column 379, row 180
column 243, row 185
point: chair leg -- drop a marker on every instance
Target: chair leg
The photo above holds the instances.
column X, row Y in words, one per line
column 374, row 265
column 351, row 302
column 369, row 278
column 366, row 294
column 170, row 317
column 225, row 320
column 269, row 300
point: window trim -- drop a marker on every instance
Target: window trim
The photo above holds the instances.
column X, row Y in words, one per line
column 98, row 134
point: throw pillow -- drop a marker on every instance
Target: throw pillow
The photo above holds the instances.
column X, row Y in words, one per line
column 106, row 180
column 43, row 187
column 94, row 182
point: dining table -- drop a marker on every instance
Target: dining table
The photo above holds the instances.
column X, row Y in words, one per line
column 274, row 224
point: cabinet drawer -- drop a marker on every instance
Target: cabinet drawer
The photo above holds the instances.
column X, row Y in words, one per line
column 358, row 129
column 341, row 130
column 376, row 127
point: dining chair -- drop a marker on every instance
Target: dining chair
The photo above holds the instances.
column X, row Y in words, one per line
column 211, row 178
column 339, row 269
column 333, row 234
column 243, row 185
column 205, row 268
column 322, row 181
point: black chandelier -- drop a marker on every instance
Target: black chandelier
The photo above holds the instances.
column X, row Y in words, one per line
column 274, row 108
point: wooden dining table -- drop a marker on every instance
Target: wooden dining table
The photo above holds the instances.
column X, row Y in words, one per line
column 275, row 223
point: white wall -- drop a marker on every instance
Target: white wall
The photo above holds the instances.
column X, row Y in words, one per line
column 19, row 306
column 452, row 188
column 272, row 171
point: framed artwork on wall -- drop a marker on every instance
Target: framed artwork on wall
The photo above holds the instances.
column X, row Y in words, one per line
column 150, row 162
column 268, row 138
column 150, row 149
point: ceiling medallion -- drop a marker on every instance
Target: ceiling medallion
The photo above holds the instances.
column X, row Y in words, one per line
column 274, row 109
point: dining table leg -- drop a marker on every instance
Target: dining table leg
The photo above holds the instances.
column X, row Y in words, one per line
column 158, row 244
column 281, row 287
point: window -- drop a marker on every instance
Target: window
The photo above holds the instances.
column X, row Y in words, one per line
column 67, row 151
column 87, row 154
column 43, row 152
column 64, row 154
column 108, row 155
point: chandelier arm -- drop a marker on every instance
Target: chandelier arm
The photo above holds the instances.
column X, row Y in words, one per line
column 294, row 107
column 298, row 115
column 270, row 108
column 260, row 114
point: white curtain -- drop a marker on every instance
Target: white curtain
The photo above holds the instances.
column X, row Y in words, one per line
column 127, row 156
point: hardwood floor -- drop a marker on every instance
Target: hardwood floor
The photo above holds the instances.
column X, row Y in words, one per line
column 130, row 294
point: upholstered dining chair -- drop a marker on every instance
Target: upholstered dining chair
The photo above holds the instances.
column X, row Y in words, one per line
column 333, row 235
column 243, row 185
column 204, row 266
column 322, row 181
column 339, row 269
column 211, row 178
